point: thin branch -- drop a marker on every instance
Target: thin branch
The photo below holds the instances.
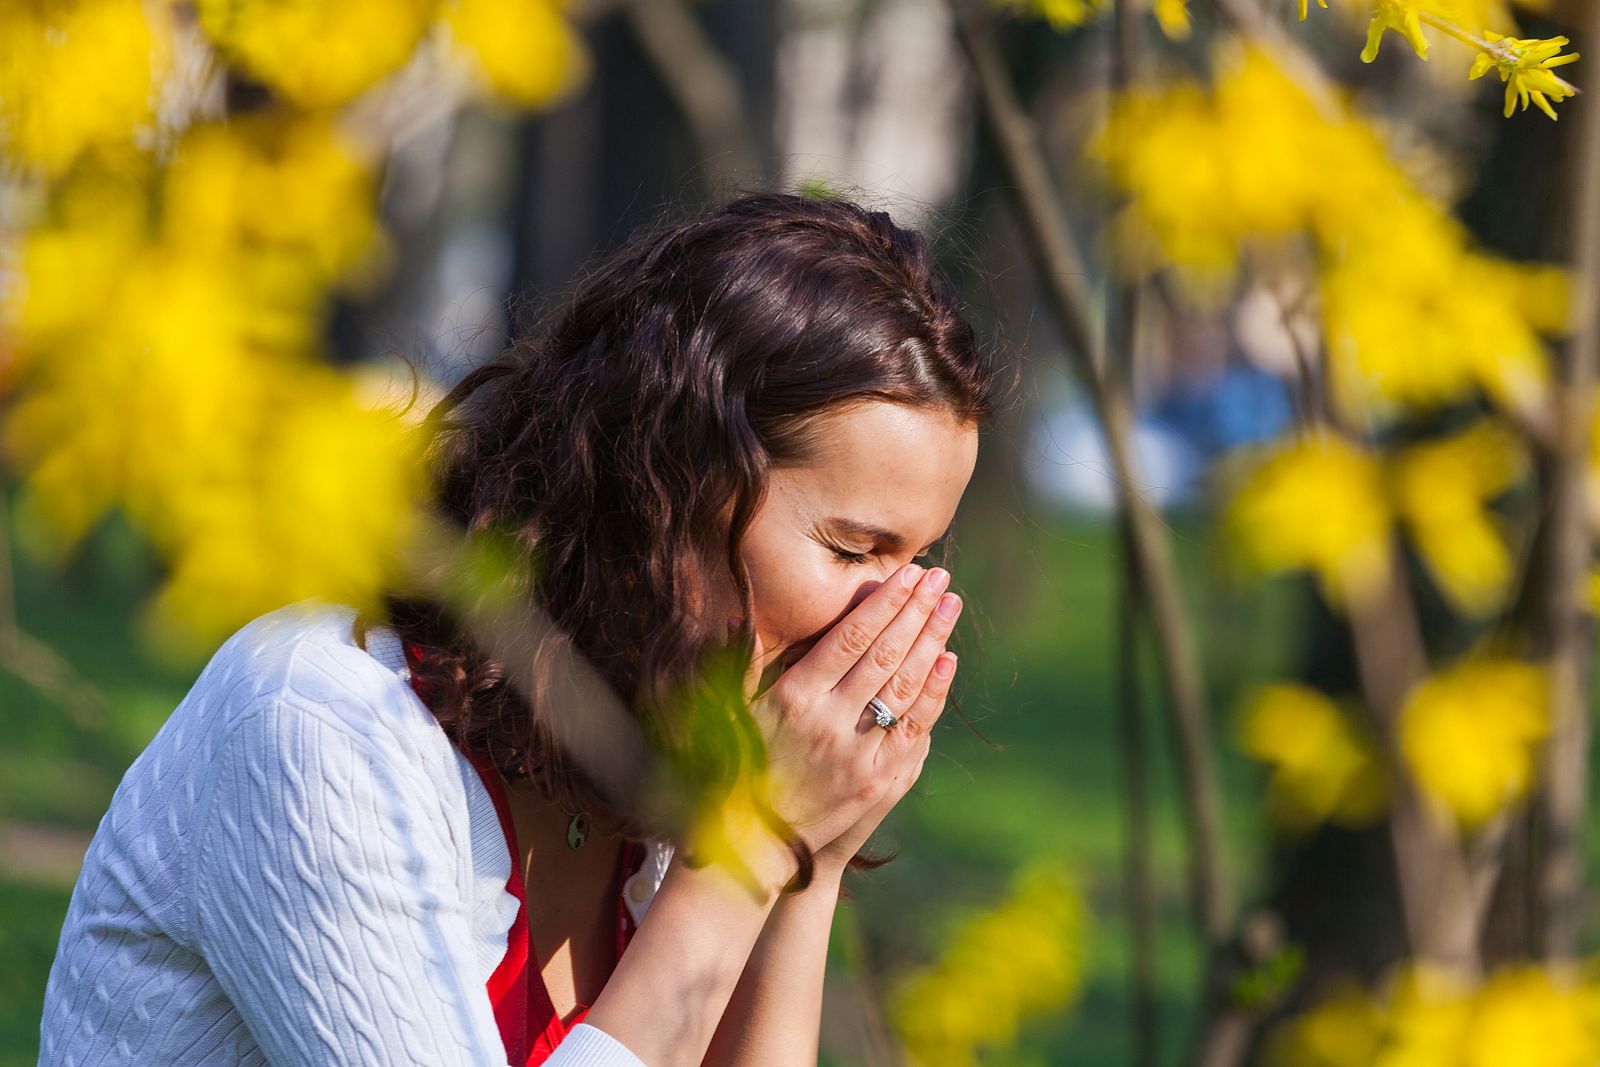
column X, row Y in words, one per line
column 1435, row 887
column 1566, row 625
column 1139, row 888
column 1122, row 347
column 702, row 84
column 35, row 662
column 1501, row 53
column 1443, row 921
column 1052, row 245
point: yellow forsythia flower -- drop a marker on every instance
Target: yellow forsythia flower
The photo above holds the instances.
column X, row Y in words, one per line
column 523, row 50
column 1173, row 18
column 999, row 969
column 316, row 54
column 1402, row 16
column 1521, row 1016
column 1471, row 732
column 1525, row 64
column 296, row 185
column 1428, row 1011
column 1414, row 319
column 1316, row 503
column 324, row 505
column 75, row 74
column 1343, row 1029
column 100, row 222
column 1269, row 187
column 260, row 478
column 1163, row 147
column 1061, row 14
column 1412, row 316
column 1323, row 766
column 1440, row 489
column 188, row 393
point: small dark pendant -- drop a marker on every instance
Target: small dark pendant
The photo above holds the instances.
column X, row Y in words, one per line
column 578, row 831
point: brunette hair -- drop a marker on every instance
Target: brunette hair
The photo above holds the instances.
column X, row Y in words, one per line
column 623, row 443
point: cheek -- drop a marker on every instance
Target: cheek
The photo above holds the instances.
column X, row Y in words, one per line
column 801, row 600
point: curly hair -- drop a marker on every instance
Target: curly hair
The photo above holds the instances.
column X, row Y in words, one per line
column 624, row 443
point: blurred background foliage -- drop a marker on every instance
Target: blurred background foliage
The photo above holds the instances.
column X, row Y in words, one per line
column 1280, row 572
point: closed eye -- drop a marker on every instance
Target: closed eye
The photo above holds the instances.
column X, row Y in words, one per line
column 856, row 558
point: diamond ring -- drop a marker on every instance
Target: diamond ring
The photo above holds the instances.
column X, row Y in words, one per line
column 881, row 713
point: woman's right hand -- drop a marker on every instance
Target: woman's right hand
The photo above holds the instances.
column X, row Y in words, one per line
column 829, row 764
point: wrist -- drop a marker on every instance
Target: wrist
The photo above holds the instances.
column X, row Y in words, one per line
column 826, row 880
column 762, row 869
column 834, row 859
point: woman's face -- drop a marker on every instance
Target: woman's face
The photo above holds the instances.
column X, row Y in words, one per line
column 882, row 488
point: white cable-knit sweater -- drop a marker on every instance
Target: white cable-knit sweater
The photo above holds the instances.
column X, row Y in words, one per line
column 299, row 869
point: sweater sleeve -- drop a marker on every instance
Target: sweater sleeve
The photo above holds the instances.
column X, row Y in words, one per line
column 326, row 900
column 590, row 1046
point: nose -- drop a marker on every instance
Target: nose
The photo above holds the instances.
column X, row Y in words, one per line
column 863, row 591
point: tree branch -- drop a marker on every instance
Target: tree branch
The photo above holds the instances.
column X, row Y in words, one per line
column 1566, row 625
column 702, row 84
column 1063, row 274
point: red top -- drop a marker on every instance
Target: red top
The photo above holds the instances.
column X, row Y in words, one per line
column 527, row 1017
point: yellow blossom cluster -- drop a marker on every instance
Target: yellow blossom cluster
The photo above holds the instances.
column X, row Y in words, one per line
column 77, row 74
column 1320, row 503
column 999, row 968
column 316, row 55
column 1526, row 65
column 1471, row 735
column 322, row 55
column 161, row 345
column 1404, row 17
column 185, row 392
column 1324, row 768
column 1522, row 1015
column 1316, row 503
column 1171, row 15
column 1439, row 489
column 1412, row 316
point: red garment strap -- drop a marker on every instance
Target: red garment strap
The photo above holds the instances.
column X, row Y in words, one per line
column 523, row 1010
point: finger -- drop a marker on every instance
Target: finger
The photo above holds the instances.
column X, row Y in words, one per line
column 908, row 733
column 826, row 662
column 888, row 650
column 905, row 684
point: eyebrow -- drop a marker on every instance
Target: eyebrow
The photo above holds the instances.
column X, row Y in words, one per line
column 889, row 537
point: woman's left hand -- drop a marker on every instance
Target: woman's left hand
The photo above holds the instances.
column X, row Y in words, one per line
column 916, row 693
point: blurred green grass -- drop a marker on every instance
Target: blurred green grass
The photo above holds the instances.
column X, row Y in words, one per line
column 1037, row 679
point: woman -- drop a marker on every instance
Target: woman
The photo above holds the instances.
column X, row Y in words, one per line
column 360, row 843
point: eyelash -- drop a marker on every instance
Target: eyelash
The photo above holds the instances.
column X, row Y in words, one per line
column 853, row 559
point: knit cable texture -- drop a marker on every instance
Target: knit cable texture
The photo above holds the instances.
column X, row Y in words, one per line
column 300, row 869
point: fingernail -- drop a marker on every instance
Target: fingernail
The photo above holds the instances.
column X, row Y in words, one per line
column 938, row 579
column 910, row 575
column 949, row 605
column 946, row 665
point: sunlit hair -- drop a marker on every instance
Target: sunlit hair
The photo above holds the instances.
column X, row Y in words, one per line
column 624, row 443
